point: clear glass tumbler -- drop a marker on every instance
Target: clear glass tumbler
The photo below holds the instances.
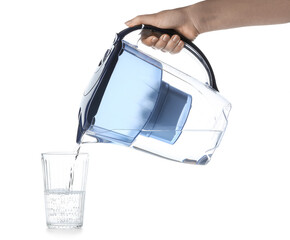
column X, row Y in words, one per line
column 65, row 177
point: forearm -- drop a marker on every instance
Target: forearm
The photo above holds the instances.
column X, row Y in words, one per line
column 213, row 15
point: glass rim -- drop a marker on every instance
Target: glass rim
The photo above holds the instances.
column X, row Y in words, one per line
column 63, row 153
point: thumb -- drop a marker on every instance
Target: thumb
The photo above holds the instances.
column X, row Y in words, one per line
column 141, row 19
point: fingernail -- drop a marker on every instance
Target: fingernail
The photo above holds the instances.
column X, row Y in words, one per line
column 154, row 39
column 128, row 23
column 175, row 38
column 165, row 38
column 180, row 44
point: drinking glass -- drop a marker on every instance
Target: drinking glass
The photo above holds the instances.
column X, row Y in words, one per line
column 65, row 177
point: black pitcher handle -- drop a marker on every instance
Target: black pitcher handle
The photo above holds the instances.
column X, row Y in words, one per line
column 188, row 45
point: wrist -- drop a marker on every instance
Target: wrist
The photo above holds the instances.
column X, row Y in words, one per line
column 202, row 16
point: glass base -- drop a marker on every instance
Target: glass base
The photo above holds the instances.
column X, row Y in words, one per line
column 61, row 226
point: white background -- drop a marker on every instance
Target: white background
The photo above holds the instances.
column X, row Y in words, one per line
column 48, row 52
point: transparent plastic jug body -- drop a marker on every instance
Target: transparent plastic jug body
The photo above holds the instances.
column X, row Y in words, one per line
column 141, row 102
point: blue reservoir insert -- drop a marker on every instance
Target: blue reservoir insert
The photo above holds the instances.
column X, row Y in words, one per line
column 137, row 101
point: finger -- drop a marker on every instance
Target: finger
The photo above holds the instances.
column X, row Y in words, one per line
column 173, row 42
column 149, row 37
column 178, row 47
column 150, row 41
column 141, row 19
column 162, row 42
column 147, row 33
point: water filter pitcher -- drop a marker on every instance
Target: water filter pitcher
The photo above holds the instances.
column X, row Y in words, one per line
column 141, row 102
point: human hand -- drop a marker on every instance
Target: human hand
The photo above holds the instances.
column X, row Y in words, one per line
column 206, row 16
column 178, row 19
